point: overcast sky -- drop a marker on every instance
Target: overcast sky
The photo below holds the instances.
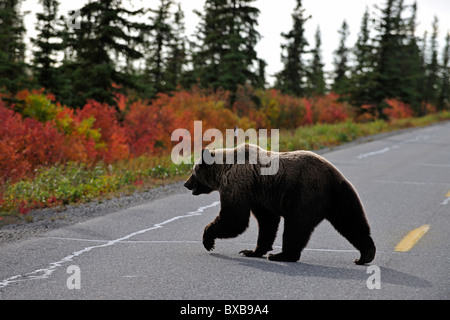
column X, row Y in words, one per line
column 275, row 17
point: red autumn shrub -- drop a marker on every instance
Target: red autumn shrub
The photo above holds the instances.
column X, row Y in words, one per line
column 149, row 125
column 327, row 109
column 26, row 145
column 79, row 137
column 12, row 164
column 140, row 125
column 211, row 109
column 44, row 143
column 170, row 119
column 309, row 116
column 281, row 110
column 112, row 144
column 398, row 109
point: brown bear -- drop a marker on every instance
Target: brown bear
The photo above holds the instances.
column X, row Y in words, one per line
column 304, row 190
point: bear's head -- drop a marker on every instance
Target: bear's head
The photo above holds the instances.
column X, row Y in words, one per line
column 201, row 180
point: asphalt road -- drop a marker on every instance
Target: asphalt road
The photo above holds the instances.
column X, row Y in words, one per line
column 154, row 251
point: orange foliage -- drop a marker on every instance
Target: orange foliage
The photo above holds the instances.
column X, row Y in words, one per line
column 42, row 132
column 288, row 112
column 26, row 144
column 149, row 124
column 112, row 144
column 397, row 109
column 309, row 117
column 327, row 109
column 140, row 125
column 281, row 110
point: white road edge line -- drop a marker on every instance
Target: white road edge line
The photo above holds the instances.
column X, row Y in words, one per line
column 123, row 241
column 377, row 152
column 46, row 272
column 417, row 138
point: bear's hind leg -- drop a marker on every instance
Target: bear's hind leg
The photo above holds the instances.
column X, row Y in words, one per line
column 268, row 226
column 357, row 233
column 349, row 219
column 296, row 235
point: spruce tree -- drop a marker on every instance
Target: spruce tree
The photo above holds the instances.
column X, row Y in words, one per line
column 390, row 54
column 243, row 23
column 341, row 60
column 387, row 75
column 13, row 75
column 233, row 64
column 225, row 56
column 47, row 44
column 291, row 79
column 65, row 91
column 316, row 79
column 391, row 65
column 423, row 69
column 363, row 73
column 208, row 49
column 432, row 68
column 103, row 39
column 411, row 65
column 177, row 55
column 261, row 74
column 444, row 92
column 158, row 41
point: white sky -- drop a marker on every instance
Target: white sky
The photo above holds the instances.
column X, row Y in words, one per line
column 275, row 17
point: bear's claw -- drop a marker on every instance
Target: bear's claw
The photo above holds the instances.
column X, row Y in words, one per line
column 209, row 244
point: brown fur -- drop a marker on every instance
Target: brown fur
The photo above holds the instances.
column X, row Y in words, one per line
column 305, row 190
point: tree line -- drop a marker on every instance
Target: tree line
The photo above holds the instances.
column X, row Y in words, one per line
column 105, row 47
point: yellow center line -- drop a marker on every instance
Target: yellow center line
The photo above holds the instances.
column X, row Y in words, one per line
column 448, row 194
column 409, row 241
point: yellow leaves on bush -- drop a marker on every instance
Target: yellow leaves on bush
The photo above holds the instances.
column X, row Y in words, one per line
column 39, row 107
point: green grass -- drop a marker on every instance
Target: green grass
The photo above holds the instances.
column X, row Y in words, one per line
column 76, row 183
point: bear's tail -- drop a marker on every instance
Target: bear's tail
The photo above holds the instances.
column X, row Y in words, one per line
column 349, row 219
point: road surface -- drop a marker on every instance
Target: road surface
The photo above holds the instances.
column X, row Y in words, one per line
column 154, row 251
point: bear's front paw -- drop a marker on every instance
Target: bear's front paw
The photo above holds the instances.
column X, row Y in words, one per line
column 251, row 253
column 209, row 237
column 208, row 244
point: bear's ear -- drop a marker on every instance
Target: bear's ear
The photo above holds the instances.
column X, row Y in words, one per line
column 206, row 157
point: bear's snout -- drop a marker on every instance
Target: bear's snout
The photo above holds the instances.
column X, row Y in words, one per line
column 196, row 186
column 190, row 183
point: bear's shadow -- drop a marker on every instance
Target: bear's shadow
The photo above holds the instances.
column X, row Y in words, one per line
column 301, row 269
